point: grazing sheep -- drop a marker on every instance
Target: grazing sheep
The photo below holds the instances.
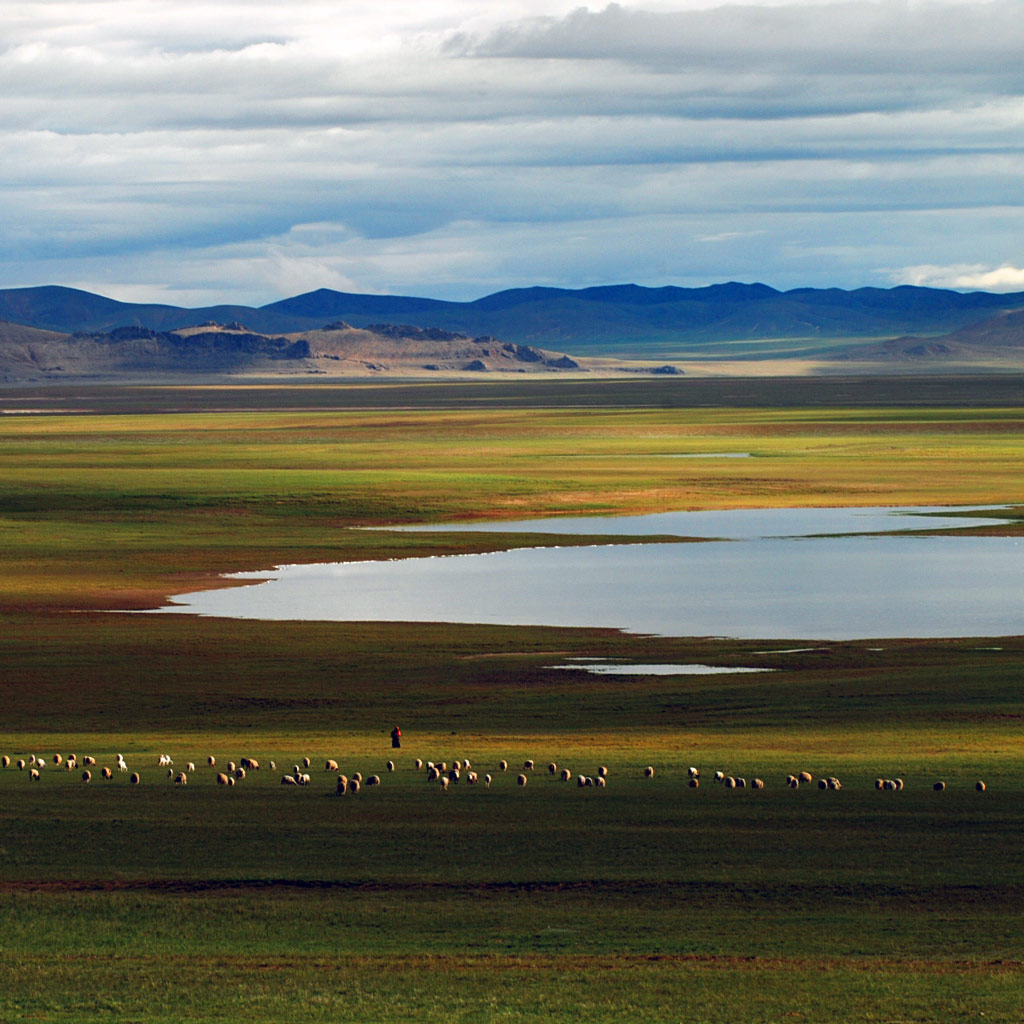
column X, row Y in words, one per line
column 939, row 787
column 390, row 766
column 331, row 766
column 899, row 783
column 792, row 781
column 552, row 768
column 649, row 772
column 33, row 774
column 487, row 781
column 418, row 764
column 21, row 764
column 106, row 772
column 181, row 779
column 581, row 781
column 135, row 778
column 442, row 766
column 211, row 761
column 602, row 771
column 31, row 760
column 741, row 783
column 222, row 779
column 521, row 780
column 354, row 784
column 121, row 766
column 600, row 782
column 980, row 786
column 342, row 786
column 232, row 766
column 69, row 765
column 565, row 775
column 170, row 773
column 503, row 766
column 358, row 776
column 822, row 784
column 472, row 778
column 163, row 761
column 286, row 780
column 694, row 773
column 881, row 784
column 465, row 764
column 454, row 775
column 805, row 777
column 719, row 776
column 373, row 780
column 457, row 765
column 5, row 761
column 304, row 780
column 444, row 783
column 730, row 782
column 273, row 766
column 87, row 775
column 190, row 767
column 433, row 774
column 306, row 762
column 757, row 784
column 231, row 781
column 528, row 765
column 57, row 759
column 239, row 773
column 693, row 783
column 834, row 783
column 89, row 762
column 250, row 764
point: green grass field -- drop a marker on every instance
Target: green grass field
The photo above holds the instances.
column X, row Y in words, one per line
column 644, row 901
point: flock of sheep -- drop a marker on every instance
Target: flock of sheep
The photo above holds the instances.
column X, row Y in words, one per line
column 460, row 771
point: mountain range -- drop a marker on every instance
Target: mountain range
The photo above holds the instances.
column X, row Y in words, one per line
column 628, row 321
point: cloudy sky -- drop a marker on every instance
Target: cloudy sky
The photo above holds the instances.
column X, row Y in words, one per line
column 239, row 151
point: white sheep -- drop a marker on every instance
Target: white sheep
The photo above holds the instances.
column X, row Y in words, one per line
column 390, row 766
column 552, row 768
column 211, row 761
column 5, row 761
column 602, row 771
column 121, row 766
column 89, row 762
column 164, row 761
column 719, row 776
column 87, row 775
column 503, row 765
column 694, row 773
column 730, row 782
column 487, row 781
column 135, row 778
column 528, row 765
column 57, row 759
column 330, row 766
column 21, row 764
column 600, row 782
column 418, row 764
column 181, row 779
column 693, row 783
column 444, row 783
column 521, row 780
column 33, row 774
column 306, row 762
column 649, row 772
column 106, row 772
column 222, row 779
column 980, row 786
column 353, row 785
column 342, row 785
column 565, row 775
column 286, row 780
column 190, row 767
column 433, row 774
column 239, row 773
column 373, row 780
column 757, row 784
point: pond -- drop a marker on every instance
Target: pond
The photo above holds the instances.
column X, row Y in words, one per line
column 782, row 573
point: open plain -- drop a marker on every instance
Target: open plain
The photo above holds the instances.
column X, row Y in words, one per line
column 645, row 900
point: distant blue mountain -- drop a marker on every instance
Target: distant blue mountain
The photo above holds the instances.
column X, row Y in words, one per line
column 625, row 319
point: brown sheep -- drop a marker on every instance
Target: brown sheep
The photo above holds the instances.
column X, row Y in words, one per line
column 331, row 766
column 222, row 779
column 353, row 784
column 805, row 777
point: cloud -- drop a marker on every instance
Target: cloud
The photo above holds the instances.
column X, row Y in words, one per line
column 964, row 277
column 455, row 146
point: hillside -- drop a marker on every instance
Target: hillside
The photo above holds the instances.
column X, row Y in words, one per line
column 994, row 342
column 627, row 321
column 30, row 354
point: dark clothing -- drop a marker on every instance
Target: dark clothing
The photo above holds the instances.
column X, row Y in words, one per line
column 396, row 737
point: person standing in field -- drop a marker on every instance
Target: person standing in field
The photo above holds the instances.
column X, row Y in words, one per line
column 396, row 737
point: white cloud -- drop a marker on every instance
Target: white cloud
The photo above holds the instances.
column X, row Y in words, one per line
column 458, row 146
column 964, row 277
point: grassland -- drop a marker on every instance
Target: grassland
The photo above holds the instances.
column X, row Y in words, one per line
column 647, row 901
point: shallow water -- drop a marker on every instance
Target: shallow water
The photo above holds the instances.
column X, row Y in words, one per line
column 770, row 584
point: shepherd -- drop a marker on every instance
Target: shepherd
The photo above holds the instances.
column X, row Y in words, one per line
column 396, row 737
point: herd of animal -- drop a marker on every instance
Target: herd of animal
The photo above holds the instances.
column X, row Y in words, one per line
column 459, row 771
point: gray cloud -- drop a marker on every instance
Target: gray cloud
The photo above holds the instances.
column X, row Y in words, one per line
column 251, row 147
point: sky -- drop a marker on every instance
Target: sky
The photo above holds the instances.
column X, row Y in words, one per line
column 237, row 151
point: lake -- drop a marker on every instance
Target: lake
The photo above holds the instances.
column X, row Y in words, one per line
column 780, row 573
